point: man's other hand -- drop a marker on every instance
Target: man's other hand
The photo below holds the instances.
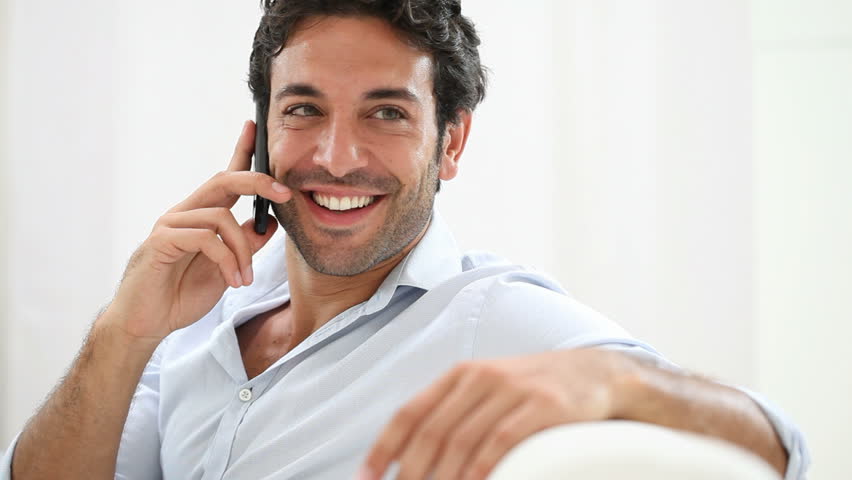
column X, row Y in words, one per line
column 462, row 425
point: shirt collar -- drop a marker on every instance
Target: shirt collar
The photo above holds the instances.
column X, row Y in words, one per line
column 435, row 259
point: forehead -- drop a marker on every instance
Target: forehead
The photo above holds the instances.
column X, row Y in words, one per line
column 351, row 53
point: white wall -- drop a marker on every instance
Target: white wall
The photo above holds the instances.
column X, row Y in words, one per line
column 58, row 160
column 503, row 197
column 615, row 166
column 654, row 173
column 614, row 150
column 181, row 79
column 4, row 218
column 803, row 194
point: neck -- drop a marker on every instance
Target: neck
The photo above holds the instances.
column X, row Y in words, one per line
column 316, row 298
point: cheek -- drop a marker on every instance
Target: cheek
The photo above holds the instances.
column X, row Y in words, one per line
column 287, row 150
column 404, row 160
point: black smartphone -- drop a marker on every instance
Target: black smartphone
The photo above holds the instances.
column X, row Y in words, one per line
column 261, row 164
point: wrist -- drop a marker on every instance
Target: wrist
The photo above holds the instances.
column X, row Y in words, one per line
column 630, row 389
column 115, row 325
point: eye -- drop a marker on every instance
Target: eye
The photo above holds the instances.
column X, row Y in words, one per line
column 389, row 113
column 302, row 111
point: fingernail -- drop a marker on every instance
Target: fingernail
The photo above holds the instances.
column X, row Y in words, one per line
column 365, row 474
column 238, row 279
column 278, row 187
column 245, row 126
column 249, row 275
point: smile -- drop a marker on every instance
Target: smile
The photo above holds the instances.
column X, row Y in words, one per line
column 337, row 208
column 341, row 203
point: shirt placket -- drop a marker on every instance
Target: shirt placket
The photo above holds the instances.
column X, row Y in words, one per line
column 242, row 399
column 226, row 351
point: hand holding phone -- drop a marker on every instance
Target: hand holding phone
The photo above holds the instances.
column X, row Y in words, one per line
column 197, row 249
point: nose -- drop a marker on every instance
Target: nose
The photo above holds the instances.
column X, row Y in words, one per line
column 338, row 151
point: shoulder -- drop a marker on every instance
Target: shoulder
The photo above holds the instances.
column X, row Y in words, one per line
column 521, row 310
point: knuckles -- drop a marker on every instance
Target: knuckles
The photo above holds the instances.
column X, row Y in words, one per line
column 547, row 397
column 164, row 221
column 484, row 371
column 428, row 436
column 222, row 214
column 157, row 236
column 504, row 438
column 405, row 417
column 543, row 393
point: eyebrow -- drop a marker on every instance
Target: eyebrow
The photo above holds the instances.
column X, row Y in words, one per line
column 306, row 90
column 298, row 90
column 392, row 93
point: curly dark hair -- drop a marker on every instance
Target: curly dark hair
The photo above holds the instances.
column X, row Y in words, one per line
column 434, row 26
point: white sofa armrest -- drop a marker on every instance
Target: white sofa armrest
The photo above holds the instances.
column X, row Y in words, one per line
column 620, row 449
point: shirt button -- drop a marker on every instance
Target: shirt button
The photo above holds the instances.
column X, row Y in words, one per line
column 245, row 394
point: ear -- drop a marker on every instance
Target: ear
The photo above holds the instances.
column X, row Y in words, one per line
column 455, row 138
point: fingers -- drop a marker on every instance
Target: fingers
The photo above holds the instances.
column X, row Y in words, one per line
column 402, row 426
column 258, row 241
column 471, row 431
column 463, row 424
column 175, row 243
column 215, row 233
column 225, row 188
column 430, row 437
column 522, row 422
column 203, row 223
column 221, row 222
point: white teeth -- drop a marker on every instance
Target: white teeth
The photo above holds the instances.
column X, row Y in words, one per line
column 341, row 203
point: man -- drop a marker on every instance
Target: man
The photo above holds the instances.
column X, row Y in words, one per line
column 362, row 337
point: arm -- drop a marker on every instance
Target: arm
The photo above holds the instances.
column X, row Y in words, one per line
column 195, row 251
column 591, row 370
column 684, row 402
column 76, row 433
column 463, row 424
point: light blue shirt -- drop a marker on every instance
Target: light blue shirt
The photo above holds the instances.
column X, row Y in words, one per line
column 315, row 413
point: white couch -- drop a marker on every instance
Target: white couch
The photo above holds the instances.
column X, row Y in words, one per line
column 615, row 450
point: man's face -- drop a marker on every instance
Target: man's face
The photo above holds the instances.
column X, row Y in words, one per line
column 352, row 131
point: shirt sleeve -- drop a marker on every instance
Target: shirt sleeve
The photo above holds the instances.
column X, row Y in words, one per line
column 6, row 462
column 524, row 312
column 139, row 450
column 790, row 435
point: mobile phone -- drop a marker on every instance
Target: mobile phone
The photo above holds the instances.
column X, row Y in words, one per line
column 261, row 164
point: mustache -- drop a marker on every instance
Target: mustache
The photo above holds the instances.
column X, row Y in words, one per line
column 295, row 179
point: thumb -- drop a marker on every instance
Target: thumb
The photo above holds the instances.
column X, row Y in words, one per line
column 258, row 241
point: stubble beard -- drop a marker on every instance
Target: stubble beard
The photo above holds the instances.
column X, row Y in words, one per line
column 407, row 218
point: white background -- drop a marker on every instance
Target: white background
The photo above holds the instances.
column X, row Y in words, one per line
column 684, row 166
